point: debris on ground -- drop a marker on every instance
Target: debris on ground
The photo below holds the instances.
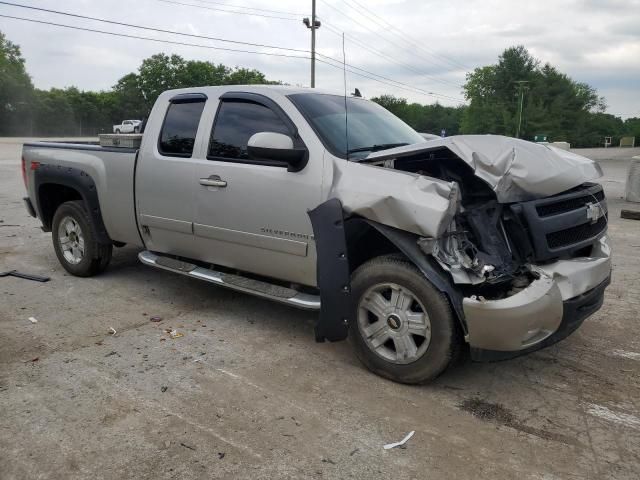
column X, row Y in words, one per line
column 187, row 446
column 163, row 388
column 26, row 276
column 33, row 319
column 389, row 446
column 221, row 455
column 112, row 331
column 111, row 353
column 173, row 333
column 354, row 451
column 156, row 319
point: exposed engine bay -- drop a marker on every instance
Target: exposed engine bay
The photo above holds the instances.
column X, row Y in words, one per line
column 489, row 246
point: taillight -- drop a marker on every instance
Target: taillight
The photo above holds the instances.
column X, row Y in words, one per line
column 24, row 171
column 34, row 166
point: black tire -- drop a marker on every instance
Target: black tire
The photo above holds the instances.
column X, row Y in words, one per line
column 117, row 130
column 136, row 130
column 96, row 255
column 445, row 342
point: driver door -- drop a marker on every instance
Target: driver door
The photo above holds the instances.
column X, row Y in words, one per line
column 251, row 215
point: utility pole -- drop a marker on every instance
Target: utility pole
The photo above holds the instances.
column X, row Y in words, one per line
column 522, row 86
column 313, row 25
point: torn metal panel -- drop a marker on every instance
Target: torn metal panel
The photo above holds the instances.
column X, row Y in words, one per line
column 407, row 201
column 450, row 251
column 578, row 275
column 516, row 170
column 567, row 289
column 407, row 243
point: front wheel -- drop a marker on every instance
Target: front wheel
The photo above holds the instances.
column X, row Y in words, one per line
column 403, row 327
column 75, row 244
column 117, row 131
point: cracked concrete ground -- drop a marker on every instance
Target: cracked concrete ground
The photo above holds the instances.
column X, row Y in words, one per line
column 247, row 393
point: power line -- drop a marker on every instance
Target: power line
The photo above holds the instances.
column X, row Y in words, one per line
column 420, row 90
column 251, row 8
column 371, row 75
column 172, row 32
column 371, row 30
column 138, row 37
column 339, row 67
column 173, row 2
column 382, row 22
column 386, row 81
column 388, row 57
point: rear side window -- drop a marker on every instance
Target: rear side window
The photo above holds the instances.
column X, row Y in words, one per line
column 178, row 134
column 236, row 123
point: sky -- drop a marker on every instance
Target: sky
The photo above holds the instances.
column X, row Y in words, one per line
column 416, row 49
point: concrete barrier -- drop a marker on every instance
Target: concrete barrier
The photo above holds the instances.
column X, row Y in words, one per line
column 632, row 190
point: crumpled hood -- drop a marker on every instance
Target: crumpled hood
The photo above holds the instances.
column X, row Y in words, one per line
column 516, row 170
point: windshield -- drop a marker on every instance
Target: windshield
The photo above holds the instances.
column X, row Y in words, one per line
column 370, row 127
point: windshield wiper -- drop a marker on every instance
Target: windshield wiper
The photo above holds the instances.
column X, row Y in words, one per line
column 377, row 148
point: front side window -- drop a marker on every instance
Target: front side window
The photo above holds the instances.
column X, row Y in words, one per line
column 236, row 123
column 178, row 134
column 370, row 127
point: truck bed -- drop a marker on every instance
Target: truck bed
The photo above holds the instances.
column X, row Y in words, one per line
column 112, row 169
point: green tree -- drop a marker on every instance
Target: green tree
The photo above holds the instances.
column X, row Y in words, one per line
column 554, row 104
column 631, row 128
column 493, row 93
column 16, row 89
column 128, row 99
column 162, row 72
column 423, row 118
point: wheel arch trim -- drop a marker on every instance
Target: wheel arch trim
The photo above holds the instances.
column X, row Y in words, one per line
column 77, row 180
column 334, row 273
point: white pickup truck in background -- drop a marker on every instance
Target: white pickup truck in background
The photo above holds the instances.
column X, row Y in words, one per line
column 128, row 126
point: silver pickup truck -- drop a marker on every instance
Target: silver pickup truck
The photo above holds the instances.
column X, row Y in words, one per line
column 412, row 248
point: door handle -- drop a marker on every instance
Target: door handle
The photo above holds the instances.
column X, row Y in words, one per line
column 213, row 181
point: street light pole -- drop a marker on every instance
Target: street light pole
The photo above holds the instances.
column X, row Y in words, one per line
column 313, row 25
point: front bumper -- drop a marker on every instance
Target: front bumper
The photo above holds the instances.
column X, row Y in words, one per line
column 548, row 310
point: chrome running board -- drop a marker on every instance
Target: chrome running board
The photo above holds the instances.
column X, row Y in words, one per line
column 258, row 288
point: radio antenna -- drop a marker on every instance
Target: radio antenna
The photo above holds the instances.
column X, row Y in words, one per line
column 346, row 111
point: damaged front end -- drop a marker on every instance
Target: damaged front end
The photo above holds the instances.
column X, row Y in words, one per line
column 526, row 246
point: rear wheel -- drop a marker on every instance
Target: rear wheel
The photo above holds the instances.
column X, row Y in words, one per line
column 75, row 243
column 404, row 328
column 117, row 130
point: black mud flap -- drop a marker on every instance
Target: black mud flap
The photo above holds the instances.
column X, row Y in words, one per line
column 333, row 271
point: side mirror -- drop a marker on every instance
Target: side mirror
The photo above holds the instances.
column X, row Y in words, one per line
column 278, row 147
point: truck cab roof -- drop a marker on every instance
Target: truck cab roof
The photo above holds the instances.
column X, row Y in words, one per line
column 268, row 90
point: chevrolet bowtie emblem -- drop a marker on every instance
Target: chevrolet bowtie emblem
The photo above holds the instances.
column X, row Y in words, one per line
column 594, row 212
